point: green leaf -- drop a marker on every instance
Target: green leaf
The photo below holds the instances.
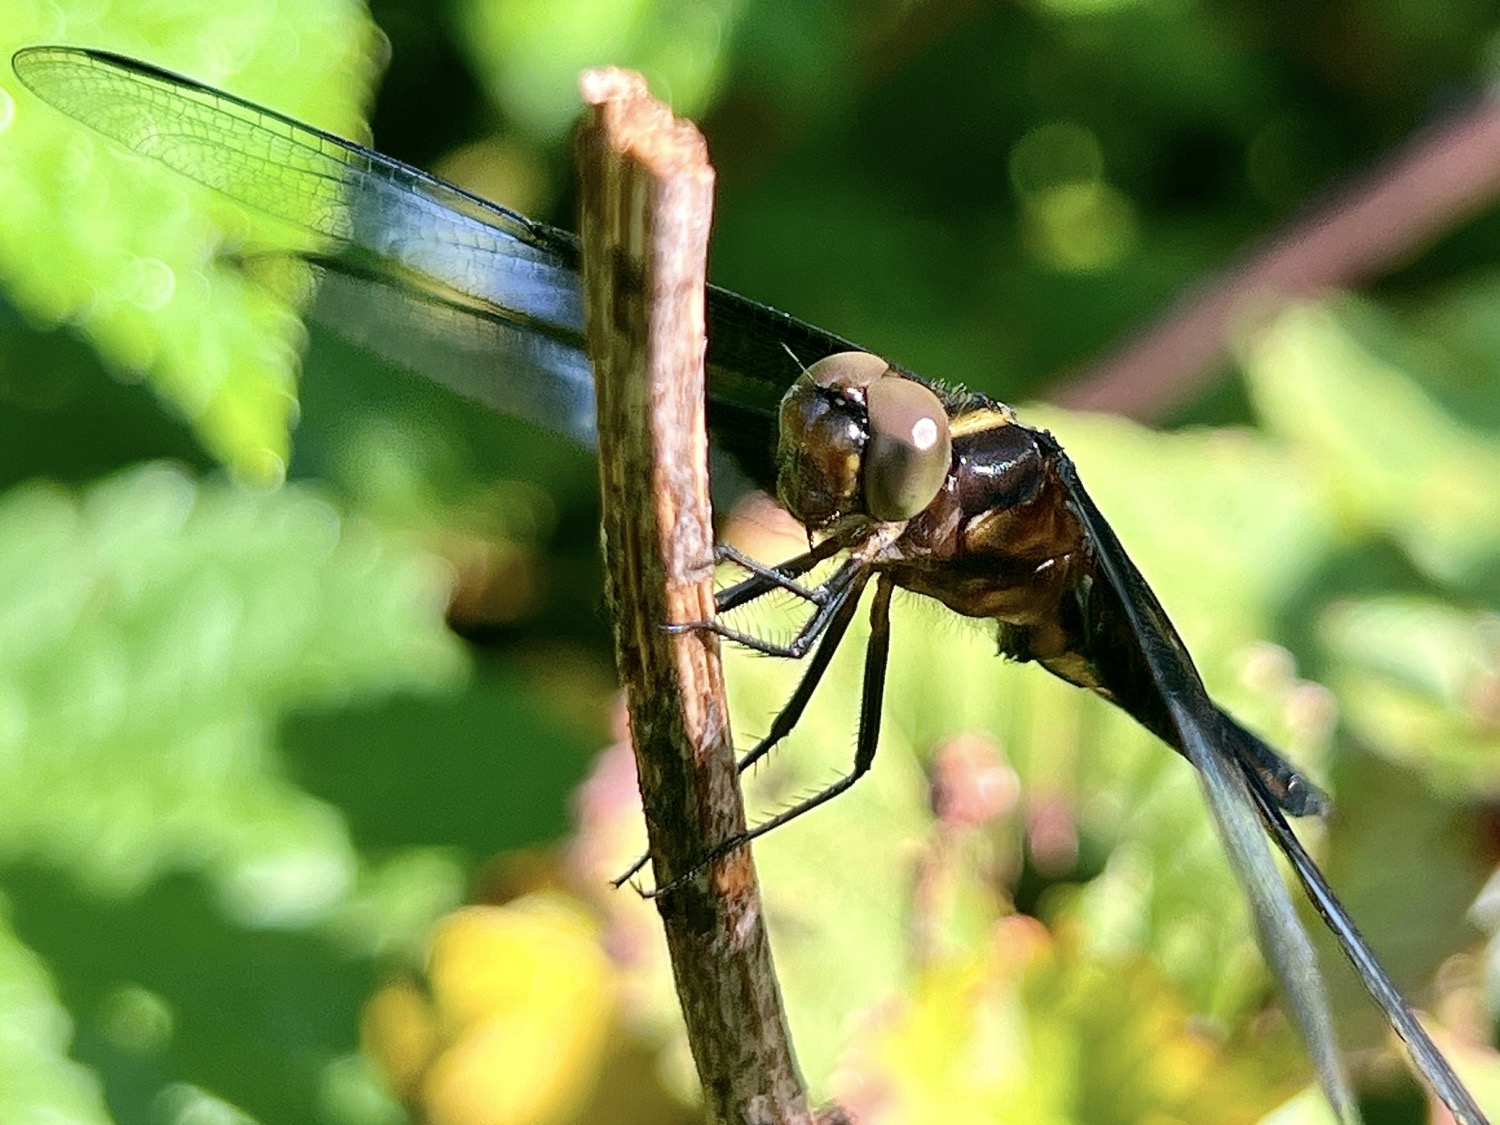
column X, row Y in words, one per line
column 1420, row 682
column 530, row 52
column 136, row 258
column 155, row 630
column 156, row 633
column 1391, row 459
column 37, row 1078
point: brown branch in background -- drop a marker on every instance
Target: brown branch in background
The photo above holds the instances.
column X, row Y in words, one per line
column 1440, row 178
column 647, row 196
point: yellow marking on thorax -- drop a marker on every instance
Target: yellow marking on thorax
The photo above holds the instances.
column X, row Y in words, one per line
column 984, row 418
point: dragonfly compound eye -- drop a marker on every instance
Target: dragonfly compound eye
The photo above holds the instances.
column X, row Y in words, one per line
column 819, row 454
column 909, row 451
column 858, row 438
column 848, row 369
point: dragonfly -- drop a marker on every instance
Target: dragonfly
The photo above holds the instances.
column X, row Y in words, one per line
column 911, row 484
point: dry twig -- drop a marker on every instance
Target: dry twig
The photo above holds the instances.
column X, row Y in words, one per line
column 646, row 202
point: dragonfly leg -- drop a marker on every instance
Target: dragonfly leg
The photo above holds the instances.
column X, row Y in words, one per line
column 842, row 611
column 788, row 717
column 830, row 596
column 763, row 579
column 871, row 700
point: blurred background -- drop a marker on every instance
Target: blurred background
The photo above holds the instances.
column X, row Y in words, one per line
column 312, row 772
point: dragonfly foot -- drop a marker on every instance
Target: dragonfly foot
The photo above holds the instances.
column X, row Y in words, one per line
column 625, row 876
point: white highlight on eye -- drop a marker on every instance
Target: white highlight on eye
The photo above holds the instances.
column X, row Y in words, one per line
column 924, row 435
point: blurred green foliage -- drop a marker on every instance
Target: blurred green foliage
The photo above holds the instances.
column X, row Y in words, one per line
column 260, row 740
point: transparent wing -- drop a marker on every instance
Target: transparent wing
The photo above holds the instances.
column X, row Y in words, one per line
column 1244, row 810
column 1428, row 1060
column 468, row 293
column 1282, row 937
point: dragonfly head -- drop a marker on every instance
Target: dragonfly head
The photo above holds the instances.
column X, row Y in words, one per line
column 858, row 438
